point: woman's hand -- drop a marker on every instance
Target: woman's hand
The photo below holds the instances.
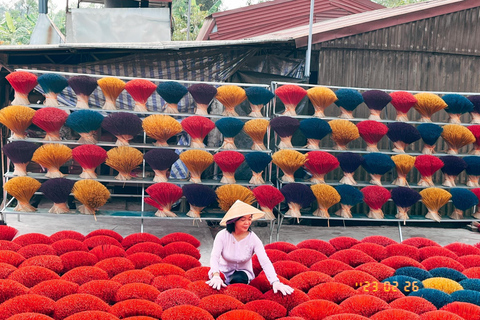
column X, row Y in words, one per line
column 217, row 283
column 283, row 288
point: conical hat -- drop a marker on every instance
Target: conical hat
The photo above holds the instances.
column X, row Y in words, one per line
column 240, row 209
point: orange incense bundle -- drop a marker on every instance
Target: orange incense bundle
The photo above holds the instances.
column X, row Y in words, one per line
column 22, row 189
column 321, row 98
column 434, row 199
column 230, row 96
column 319, row 163
column 326, row 196
column 257, row 129
column 198, row 128
column 17, row 119
column 343, row 132
column 51, row 157
column 372, row 132
column 228, row 161
column 162, row 196
column 427, row 165
column 140, row 90
column 289, row 161
column 375, row 197
column 403, row 163
column 427, row 104
column 92, row 194
column 456, row 136
column 268, row 197
column 22, row 82
column 228, row 194
column 51, row 121
column 89, row 157
column 111, row 88
column 196, row 162
column 475, row 130
column 161, row 128
column 290, row 95
column 124, row 159
column 402, row 101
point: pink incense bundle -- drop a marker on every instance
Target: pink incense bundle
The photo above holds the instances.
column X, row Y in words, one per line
column 475, row 129
column 89, row 156
column 290, row 95
column 22, row 82
column 372, row 132
column 375, row 197
column 228, row 161
column 198, row 128
column 427, row 165
column 140, row 90
column 50, row 120
column 268, row 197
column 319, row 163
column 402, row 101
column 162, row 196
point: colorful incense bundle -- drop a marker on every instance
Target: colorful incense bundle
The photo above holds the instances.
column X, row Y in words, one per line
column 85, row 123
column 22, row 82
column 268, row 197
column 123, row 125
column 427, row 104
column 198, row 128
column 285, row 127
column 161, row 128
column 321, row 98
column 22, row 189
column 434, row 199
column 475, row 113
column 257, row 161
column 402, row 134
column 196, row 162
column 52, row 84
column 140, row 90
column 343, row 132
column 256, row 129
column 290, row 95
column 83, row 86
column 314, row 130
column 289, row 161
column 172, row 92
column 124, row 160
column 203, row 94
column 430, row 133
column 258, row 97
column 229, row 128
column 375, row 197
column 456, row 106
column 326, row 196
column 89, row 157
column 228, row 194
column 377, row 164
column 348, row 100
column 17, row 119
column 57, row 190
column 162, row 196
column 230, row 96
column 456, row 136
column 403, row 163
column 198, row 196
column 475, row 130
column 404, row 198
column 376, row 101
column 160, row 160
column 349, row 196
column 349, row 162
column 111, row 88
column 298, row 196
column 319, row 163
column 228, row 162
column 20, row 154
column 452, row 167
column 51, row 121
column 372, row 132
column 402, row 101
column 476, row 192
column 427, row 165
column 51, row 157
column 463, row 199
column 92, row 194
column 472, row 170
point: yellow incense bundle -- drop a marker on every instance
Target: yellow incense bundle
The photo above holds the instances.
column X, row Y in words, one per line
column 17, row 119
column 92, row 194
column 228, row 194
column 321, row 98
column 403, row 163
column 124, row 159
column 256, row 129
column 427, row 104
column 457, row 136
column 326, row 196
column 196, row 162
column 289, row 161
column 343, row 131
column 434, row 199
column 111, row 88
column 22, row 189
column 51, row 157
column 161, row 128
column 230, row 96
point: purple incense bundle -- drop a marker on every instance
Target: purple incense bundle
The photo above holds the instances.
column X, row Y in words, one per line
column 452, row 167
column 349, row 162
column 475, row 113
column 404, row 198
column 20, row 153
column 58, row 190
column 402, row 134
column 198, row 196
column 123, row 125
column 376, row 101
column 161, row 160
column 285, row 127
column 203, row 94
column 298, row 196
column 83, row 86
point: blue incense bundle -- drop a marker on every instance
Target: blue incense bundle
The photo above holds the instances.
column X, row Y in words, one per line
column 229, row 128
column 349, row 196
column 285, row 127
column 402, row 134
column 257, row 161
column 456, row 106
column 376, row 101
column 472, row 170
column 377, row 164
column 203, row 94
column 463, row 199
column 298, row 196
column 452, row 167
column 160, row 160
column 123, row 125
column 198, row 196
column 258, row 97
column 52, row 84
column 83, row 86
column 348, row 100
column 172, row 92
column 85, row 123
column 58, row 190
column 475, row 113
column 430, row 133
column 349, row 162
column 20, row 153
column 404, row 198
column 314, row 130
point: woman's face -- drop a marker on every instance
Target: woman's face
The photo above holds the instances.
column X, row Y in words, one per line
column 243, row 224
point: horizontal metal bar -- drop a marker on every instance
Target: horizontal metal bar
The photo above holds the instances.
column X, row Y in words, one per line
column 380, row 151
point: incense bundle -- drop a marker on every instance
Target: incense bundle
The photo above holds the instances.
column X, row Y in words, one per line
column 372, row 132
column 472, row 170
column 285, row 127
column 321, row 98
column 434, row 199
column 456, row 106
column 198, row 196
column 290, row 95
column 475, row 113
column 476, row 192
column 428, row 104
column 160, row 160
column 268, row 197
column 456, row 136
column 198, row 128
column 314, row 130
column 430, row 133
column 343, row 132
column 124, row 160
column 377, row 164
column 403, row 163
column 402, row 101
column 349, row 196
column 475, row 130
column 20, row 154
column 83, row 86
column 58, row 190
column 230, row 96
column 51, row 157
column 172, row 92
column 203, row 94
column 17, row 119
column 92, row 194
column 289, row 161
column 349, row 162
column 89, row 157
column 258, row 97
column 123, row 125
column 228, row 194
column 22, row 82
column 376, row 101
column 375, row 197
column 51, row 121
column 326, row 196
column 402, row 134
column 452, row 167
column 229, row 128
column 404, row 198
column 348, row 100
column 463, row 199
column 162, row 196
column 85, row 123
column 22, row 189
column 427, row 165
column 257, row 161
column 161, row 128
column 298, row 196
column 196, row 162
column 228, row 162
column 111, row 88
column 52, row 84
column 319, row 163
column 256, row 129
column 140, row 90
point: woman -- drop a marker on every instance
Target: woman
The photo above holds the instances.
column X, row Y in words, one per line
column 234, row 247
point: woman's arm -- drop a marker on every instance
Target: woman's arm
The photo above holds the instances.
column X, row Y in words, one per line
column 265, row 262
column 216, row 254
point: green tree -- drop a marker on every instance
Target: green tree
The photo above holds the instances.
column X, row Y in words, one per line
column 197, row 16
column 396, row 3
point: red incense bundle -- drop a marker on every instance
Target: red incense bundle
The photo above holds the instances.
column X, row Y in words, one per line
column 50, row 120
column 475, row 129
column 375, row 197
column 140, row 90
column 228, row 161
column 402, row 101
column 89, row 156
column 268, row 197
column 22, row 82
column 319, row 163
column 372, row 132
column 290, row 95
column 162, row 196
column 427, row 165
column 198, row 128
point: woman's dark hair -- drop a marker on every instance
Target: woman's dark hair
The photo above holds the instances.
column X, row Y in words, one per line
column 231, row 227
